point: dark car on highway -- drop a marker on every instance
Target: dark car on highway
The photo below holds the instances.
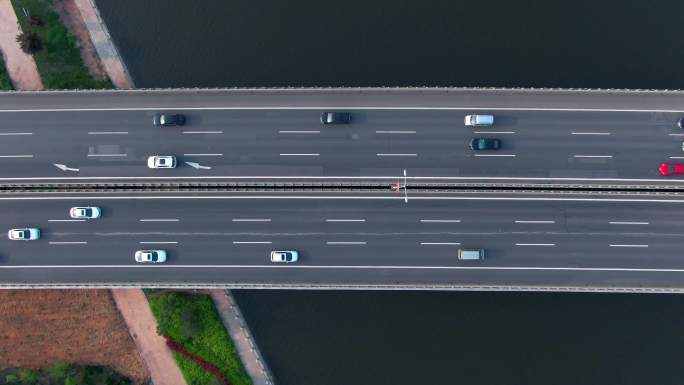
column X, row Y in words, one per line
column 168, row 119
column 485, row 144
column 336, row 118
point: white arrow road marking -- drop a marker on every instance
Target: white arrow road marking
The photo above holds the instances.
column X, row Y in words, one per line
column 64, row 167
column 197, row 165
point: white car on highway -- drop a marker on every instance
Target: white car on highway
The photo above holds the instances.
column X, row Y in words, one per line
column 26, row 234
column 150, row 256
column 287, row 256
column 161, row 161
column 91, row 212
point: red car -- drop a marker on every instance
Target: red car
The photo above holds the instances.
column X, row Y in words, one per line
column 671, row 169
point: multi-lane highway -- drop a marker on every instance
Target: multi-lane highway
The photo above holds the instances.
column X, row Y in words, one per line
column 275, row 134
column 357, row 239
column 348, row 238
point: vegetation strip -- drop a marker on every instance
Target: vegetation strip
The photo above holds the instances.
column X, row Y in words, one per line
column 63, row 374
column 193, row 324
column 5, row 82
column 54, row 48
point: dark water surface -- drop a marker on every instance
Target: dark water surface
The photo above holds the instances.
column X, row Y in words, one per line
column 415, row 338
column 420, row 338
column 267, row 43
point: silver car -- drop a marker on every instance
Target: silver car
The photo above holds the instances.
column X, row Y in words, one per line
column 287, row 256
column 161, row 161
column 26, row 234
column 150, row 256
column 91, row 212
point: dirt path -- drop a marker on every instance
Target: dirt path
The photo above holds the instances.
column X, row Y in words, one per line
column 20, row 66
column 142, row 325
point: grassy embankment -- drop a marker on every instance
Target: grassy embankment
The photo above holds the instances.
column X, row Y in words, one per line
column 63, row 374
column 192, row 320
column 59, row 62
column 5, row 82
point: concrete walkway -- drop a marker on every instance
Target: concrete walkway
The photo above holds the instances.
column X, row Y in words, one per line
column 242, row 338
column 142, row 325
column 20, row 66
column 99, row 35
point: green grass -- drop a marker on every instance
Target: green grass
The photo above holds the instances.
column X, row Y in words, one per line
column 63, row 374
column 193, row 321
column 59, row 62
column 5, row 82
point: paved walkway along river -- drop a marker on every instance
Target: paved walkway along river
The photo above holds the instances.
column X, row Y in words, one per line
column 20, row 66
column 242, row 337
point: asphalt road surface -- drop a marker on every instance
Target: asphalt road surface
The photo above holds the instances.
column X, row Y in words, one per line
column 592, row 137
column 365, row 240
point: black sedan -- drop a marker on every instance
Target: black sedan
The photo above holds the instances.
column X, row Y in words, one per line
column 485, row 144
column 336, row 118
column 168, row 119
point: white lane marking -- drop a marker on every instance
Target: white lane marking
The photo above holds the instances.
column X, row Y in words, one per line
column 367, row 108
column 677, row 157
column 395, row 132
column 66, row 220
column 300, row 154
column 160, row 220
column 64, row 167
column 628, row 223
column 68, row 243
column 676, row 134
column 202, row 154
column 535, row 221
column 628, row 245
column 535, row 244
column 203, row 132
column 158, row 242
column 107, row 154
column 345, row 220
column 592, row 156
column 344, row 243
column 590, row 133
column 107, row 132
column 494, row 155
column 251, row 220
column 440, row 243
column 16, row 156
column 15, row 133
column 252, row 242
column 493, row 132
column 298, row 132
column 396, row 154
column 440, row 221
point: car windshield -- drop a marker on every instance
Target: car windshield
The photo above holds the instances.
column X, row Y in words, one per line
column 24, row 233
column 86, row 212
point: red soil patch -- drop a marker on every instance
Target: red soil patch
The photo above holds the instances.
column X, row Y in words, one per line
column 39, row 327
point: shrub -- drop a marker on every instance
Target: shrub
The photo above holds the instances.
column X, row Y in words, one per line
column 11, row 379
column 29, row 42
column 35, row 21
column 59, row 370
column 28, row 376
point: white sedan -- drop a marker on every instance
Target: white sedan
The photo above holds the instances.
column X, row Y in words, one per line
column 161, row 161
column 150, row 256
column 288, row 256
column 27, row 234
column 91, row 212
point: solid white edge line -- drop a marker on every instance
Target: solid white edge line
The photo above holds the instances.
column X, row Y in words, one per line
column 628, row 223
column 251, row 220
column 344, row 243
column 345, row 220
column 107, row 132
column 590, row 133
column 535, row 244
column 300, row 154
column 16, row 156
column 15, row 133
column 107, row 154
column 675, row 134
column 159, row 220
column 628, row 245
column 68, row 243
column 677, row 157
column 440, row 243
column 66, row 220
column 158, row 242
column 252, row 242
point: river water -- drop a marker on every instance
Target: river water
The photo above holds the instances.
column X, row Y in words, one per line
column 398, row 338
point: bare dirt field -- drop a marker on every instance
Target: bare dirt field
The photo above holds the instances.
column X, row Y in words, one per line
column 39, row 327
